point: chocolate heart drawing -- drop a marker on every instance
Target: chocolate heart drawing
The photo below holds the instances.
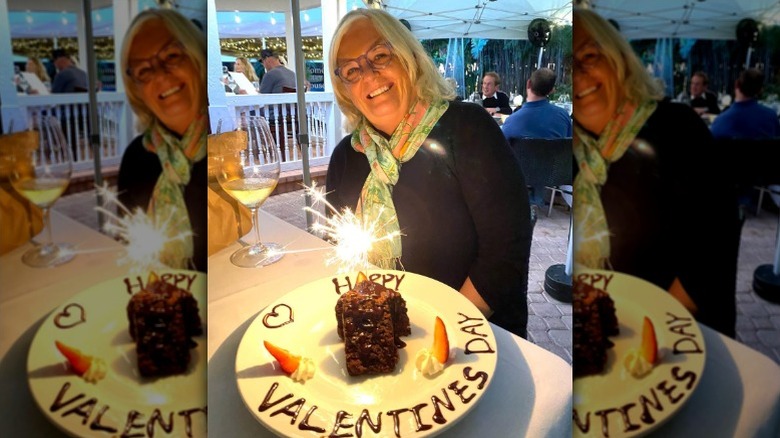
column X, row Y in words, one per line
column 274, row 314
column 66, row 319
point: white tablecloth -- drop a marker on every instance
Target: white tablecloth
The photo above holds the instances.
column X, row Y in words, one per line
column 738, row 396
column 27, row 295
column 531, row 390
column 739, row 392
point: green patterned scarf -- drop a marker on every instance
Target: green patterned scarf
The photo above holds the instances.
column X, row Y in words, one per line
column 385, row 158
column 591, row 232
column 167, row 207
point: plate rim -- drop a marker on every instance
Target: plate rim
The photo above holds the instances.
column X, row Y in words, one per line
column 676, row 306
column 256, row 320
column 89, row 290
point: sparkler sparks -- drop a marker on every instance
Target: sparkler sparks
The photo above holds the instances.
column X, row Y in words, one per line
column 145, row 239
column 353, row 238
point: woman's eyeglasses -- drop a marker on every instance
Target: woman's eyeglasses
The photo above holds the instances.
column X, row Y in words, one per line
column 377, row 58
column 588, row 56
column 143, row 70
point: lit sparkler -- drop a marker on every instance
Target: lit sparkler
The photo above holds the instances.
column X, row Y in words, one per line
column 145, row 239
column 353, row 238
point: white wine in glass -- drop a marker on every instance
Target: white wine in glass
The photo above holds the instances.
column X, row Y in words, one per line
column 249, row 171
column 41, row 174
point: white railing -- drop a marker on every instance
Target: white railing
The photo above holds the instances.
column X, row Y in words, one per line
column 281, row 111
column 72, row 111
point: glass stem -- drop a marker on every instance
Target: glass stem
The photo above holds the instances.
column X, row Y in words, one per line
column 256, row 227
column 47, row 225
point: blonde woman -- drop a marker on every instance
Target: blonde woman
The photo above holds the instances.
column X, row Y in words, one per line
column 34, row 65
column 437, row 170
column 242, row 65
column 163, row 63
column 637, row 194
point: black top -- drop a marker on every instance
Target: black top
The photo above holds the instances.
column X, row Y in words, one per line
column 655, row 199
column 138, row 175
column 462, row 207
column 709, row 100
column 499, row 100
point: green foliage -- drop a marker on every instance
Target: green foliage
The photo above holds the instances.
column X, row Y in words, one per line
column 513, row 60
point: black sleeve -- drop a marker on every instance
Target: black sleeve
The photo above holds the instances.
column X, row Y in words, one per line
column 347, row 173
column 195, row 196
column 495, row 192
column 712, row 103
column 138, row 173
column 503, row 103
column 705, row 261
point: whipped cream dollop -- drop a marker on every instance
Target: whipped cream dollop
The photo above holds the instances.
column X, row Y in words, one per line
column 305, row 370
column 427, row 363
column 96, row 371
column 636, row 364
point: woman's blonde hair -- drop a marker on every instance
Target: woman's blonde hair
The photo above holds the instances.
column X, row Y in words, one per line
column 426, row 81
column 636, row 83
column 184, row 31
column 40, row 70
column 247, row 68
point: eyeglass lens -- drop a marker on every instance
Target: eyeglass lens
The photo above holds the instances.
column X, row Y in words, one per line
column 169, row 56
column 376, row 58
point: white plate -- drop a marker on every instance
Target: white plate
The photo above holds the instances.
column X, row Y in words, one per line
column 123, row 400
column 629, row 406
column 332, row 400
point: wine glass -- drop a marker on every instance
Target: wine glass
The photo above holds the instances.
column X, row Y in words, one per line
column 232, row 84
column 249, row 171
column 41, row 173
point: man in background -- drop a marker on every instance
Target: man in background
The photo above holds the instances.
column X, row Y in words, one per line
column 276, row 76
column 494, row 101
column 746, row 118
column 69, row 78
column 700, row 99
column 538, row 118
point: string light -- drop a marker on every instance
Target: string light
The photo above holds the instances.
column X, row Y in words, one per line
column 250, row 47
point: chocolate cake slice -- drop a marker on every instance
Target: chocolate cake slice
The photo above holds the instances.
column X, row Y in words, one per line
column 163, row 319
column 370, row 319
column 594, row 322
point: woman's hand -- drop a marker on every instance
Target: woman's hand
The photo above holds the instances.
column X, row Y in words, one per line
column 470, row 291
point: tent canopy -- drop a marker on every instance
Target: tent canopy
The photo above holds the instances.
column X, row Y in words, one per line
column 50, row 19
column 245, row 24
column 701, row 19
column 493, row 19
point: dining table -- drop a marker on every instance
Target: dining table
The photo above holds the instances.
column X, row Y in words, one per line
column 531, row 391
column 27, row 296
column 738, row 393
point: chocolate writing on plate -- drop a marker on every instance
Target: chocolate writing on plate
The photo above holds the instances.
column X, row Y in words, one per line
column 432, row 409
column 274, row 319
column 390, row 281
column 453, row 395
column 66, row 319
column 180, row 280
column 665, row 387
column 476, row 327
column 93, row 416
column 599, row 281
